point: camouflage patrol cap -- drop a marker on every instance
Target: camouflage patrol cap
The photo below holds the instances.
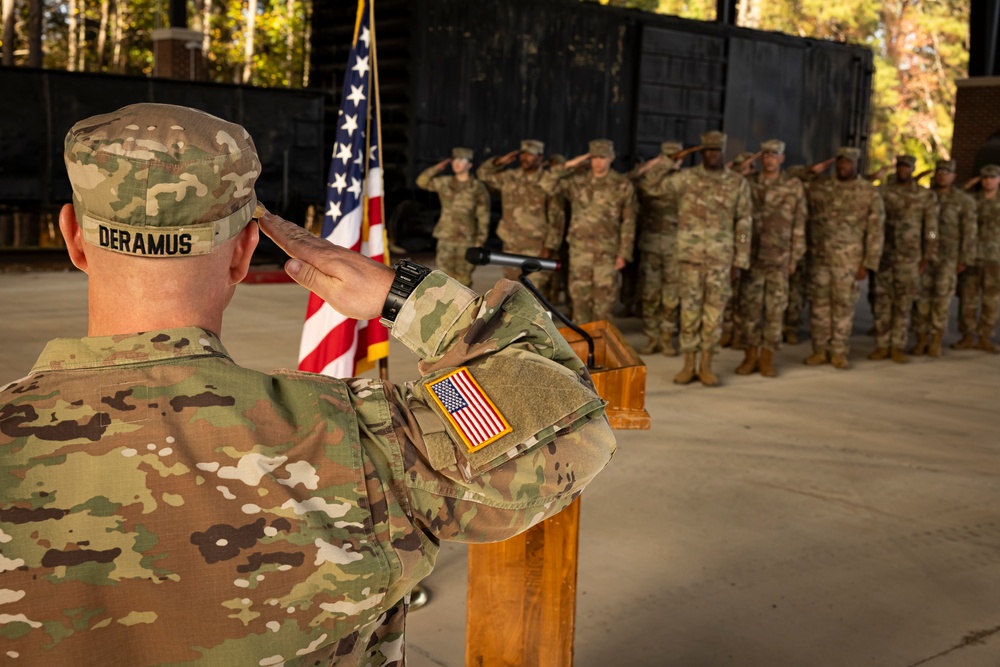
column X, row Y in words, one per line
column 714, row 140
column 742, row 158
column 849, row 152
column 775, row 146
column 601, row 148
column 158, row 180
column 459, row 153
column 533, row 146
column 668, row 148
column 907, row 160
column 557, row 158
column 990, row 171
column 946, row 165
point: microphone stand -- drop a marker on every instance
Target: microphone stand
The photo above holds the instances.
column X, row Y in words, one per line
column 531, row 267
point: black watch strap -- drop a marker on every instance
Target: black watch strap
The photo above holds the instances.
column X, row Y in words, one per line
column 408, row 276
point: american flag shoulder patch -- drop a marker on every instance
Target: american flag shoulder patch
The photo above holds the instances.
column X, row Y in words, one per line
column 469, row 409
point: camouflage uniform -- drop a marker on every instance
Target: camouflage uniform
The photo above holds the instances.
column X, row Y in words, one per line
column 659, row 270
column 778, row 244
column 980, row 284
column 732, row 319
column 798, row 282
column 846, row 233
column 956, row 245
column 532, row 220
column 911, row 237
column 159, row 504
column 602, row 228
column 464, row 221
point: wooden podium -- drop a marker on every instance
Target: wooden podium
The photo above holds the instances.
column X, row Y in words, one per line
column 521, row 598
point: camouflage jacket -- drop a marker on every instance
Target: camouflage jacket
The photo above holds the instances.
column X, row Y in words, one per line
column 716, row 217
column 465, row 207
column 602, row 214
column 159, row 504
column 911, row 223
column 846, row 228
column 532, row 219
column 779, row 221
column 988, row 229
column 956, row 227
column 657, row 209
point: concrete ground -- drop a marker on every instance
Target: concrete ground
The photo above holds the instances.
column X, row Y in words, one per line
column 821, row 518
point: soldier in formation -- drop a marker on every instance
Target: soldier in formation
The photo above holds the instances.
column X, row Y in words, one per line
column 979, row 285
column 732, row 327
column 465, row 213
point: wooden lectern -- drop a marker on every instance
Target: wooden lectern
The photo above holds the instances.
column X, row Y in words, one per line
column 521, row 599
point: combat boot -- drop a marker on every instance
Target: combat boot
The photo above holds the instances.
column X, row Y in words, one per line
column 966, row 342
column 792, row 338
column 899, row 356
column 651, row 346
column 749, row 364
column 705, row 374
column 934, row 349
column 817, row 358
column 879, row 354
column 686, row 376
column 767, row 363
column 727, row 337
column 986, row 345
column 667, row 345
column 840, row 362
column 920, row 348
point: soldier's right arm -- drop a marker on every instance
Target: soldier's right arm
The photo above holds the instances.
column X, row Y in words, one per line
column 968, row 230
column 555, row 215
column 491, row 174
column 874, row 231
column 557, row 181
column 426, row 180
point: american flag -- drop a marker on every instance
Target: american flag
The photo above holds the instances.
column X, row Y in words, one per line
column 471, row 412
column 331, row 343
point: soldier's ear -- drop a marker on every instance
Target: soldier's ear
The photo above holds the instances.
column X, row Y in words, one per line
column 73, row 236
column 246, row 243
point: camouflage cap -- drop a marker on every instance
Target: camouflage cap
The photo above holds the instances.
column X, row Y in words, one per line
column 533, row 146
column 849, row 152
column 714, row 140
column 557, row 158
column 946, row 165
column 742, row 158
column 601, row 148
column 907, row 160
column 990, row 171
column 776, row 146
column 668, row 148
column 158, row 180
column 460, row 153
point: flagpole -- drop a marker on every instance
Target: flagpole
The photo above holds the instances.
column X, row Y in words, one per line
column 383, row 363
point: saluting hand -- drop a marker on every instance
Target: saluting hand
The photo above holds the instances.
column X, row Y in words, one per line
column 443, row 163
column 578, row 160
column 504, row 160
column 353, row 285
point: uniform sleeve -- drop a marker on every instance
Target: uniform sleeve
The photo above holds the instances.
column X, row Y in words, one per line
column 654, row 183
column 874, row 231
column 968, row 229
column 555, row 215
column 626, row 233
column 800, row 215
column 558, row 438
column 490, row 173
column 744, row 225
column 557, row 181
column 482, row 214
column 426, row 180
column 931, row 227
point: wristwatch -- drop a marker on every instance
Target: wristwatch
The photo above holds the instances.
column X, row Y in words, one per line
column 408, row 276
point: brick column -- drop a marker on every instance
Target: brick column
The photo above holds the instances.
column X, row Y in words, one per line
column 174, row 52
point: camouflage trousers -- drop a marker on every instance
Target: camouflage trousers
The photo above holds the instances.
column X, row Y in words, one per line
column 797, row 284
column 593, row 285
column 979, row 294
column 937, row 287
column 540, row 279
column 450, row 258
column 763, row 300
column 660, row 275
column 833, row 294
column 704, row 291
column 896, row 288
column 732, row 315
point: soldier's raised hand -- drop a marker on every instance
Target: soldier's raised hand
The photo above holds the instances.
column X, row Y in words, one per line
column 504, row 160
column 443, row 163
column 578, row 160
column 820, row 167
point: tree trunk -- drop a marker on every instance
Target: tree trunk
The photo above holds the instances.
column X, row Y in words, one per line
column 71, row 36
column 102, row 33
column 35, row 11
column 289, row 41
column 8, row 32
column 117, row 35
column 306, row 41
column 81, row 41
column 206, row 29
column 249, row 41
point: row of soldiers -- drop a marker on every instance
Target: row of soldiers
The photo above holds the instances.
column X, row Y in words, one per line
column 713, row 229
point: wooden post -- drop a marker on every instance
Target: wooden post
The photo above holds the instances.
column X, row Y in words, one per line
column 521, row 598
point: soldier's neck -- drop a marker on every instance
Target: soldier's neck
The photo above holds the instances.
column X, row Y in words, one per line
column 771, row 175
column 464, row 176
column 990, row 194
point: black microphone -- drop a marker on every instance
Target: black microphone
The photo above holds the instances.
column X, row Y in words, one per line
column 482, row 256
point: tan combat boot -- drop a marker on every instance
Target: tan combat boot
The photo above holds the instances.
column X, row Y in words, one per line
column 986, row 345
column 817, row 358
column 705, row 374
column 840, row 362
column 749, row 364
column 727, row 337
column 687, row 373
column 899, row 356
column 767, row 363
column 667, row 345
column 651, row 346
column 920, row 348
column 934, row 349
column 792, row 338
column 967, row 342
column 879, row 354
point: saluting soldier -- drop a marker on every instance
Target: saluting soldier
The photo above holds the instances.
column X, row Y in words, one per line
column 732, row 327
column 465, row 213
column 980, row 285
